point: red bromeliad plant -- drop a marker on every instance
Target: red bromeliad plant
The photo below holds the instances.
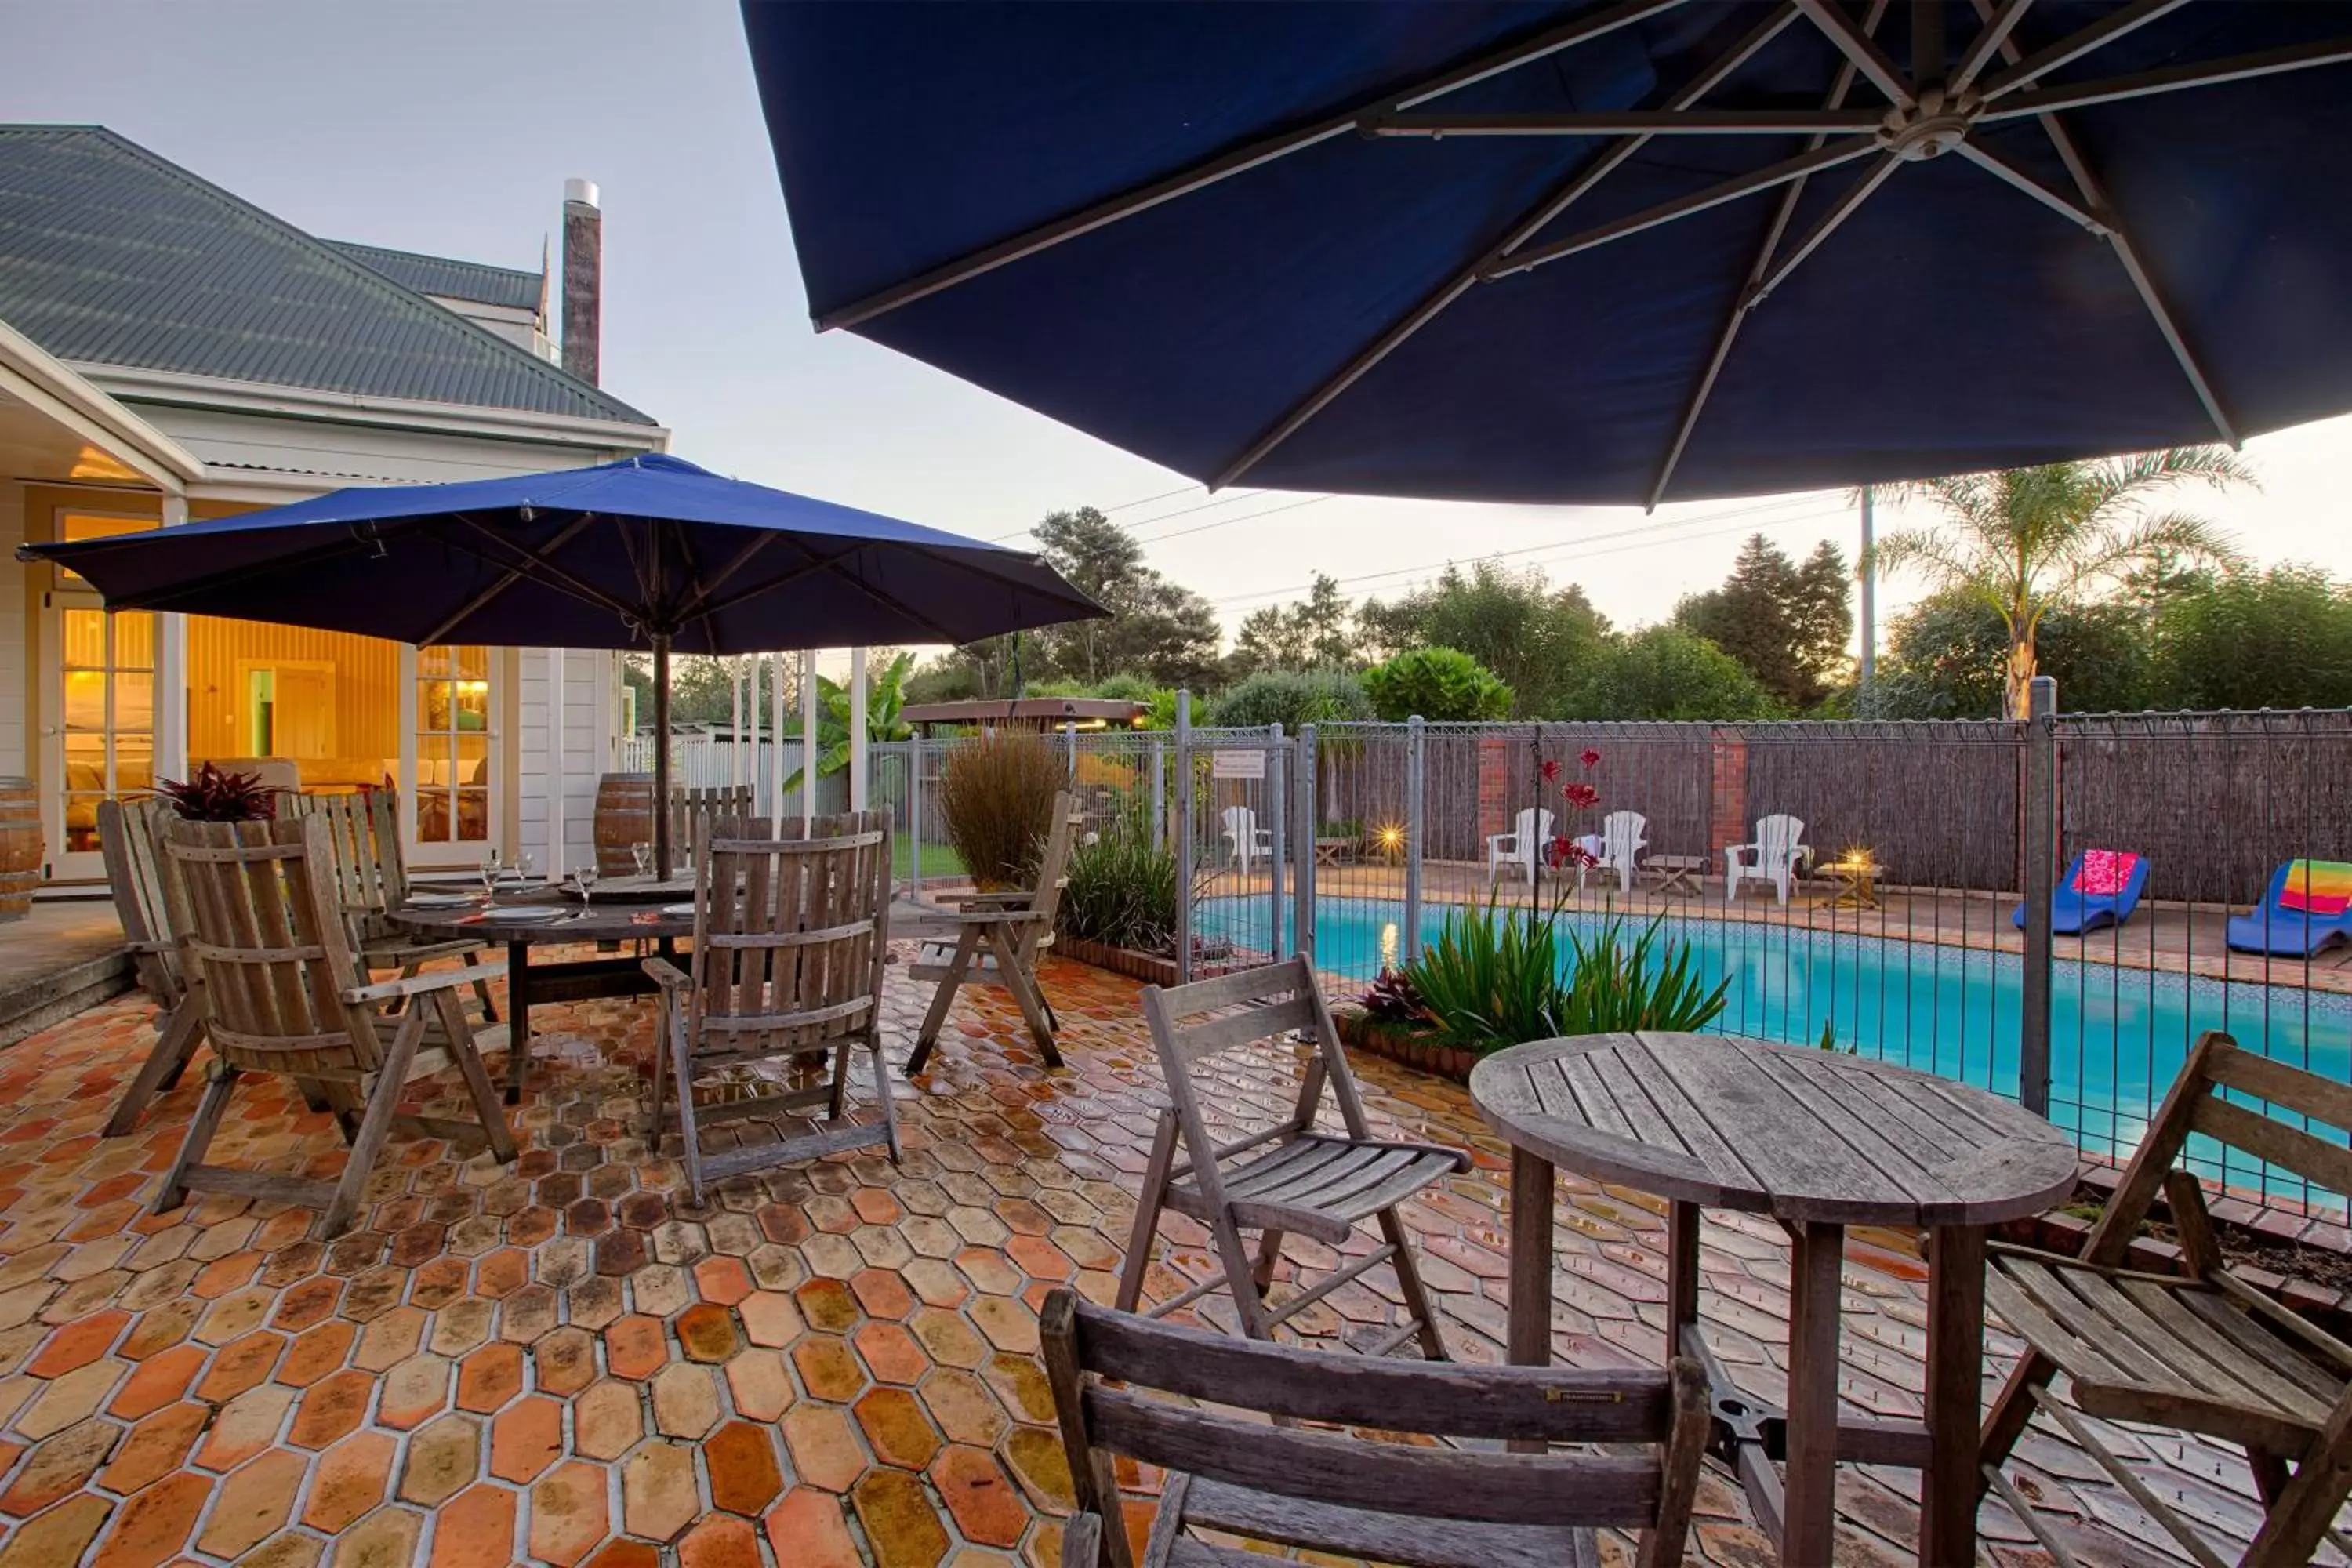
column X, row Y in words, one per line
column 1578, row 794
column 211, row 795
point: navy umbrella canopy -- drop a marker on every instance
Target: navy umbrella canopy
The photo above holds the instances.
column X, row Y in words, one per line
column 1586, row 251
column 649, row 552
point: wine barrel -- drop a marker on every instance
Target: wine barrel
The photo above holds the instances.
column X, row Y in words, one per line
column 625, row 815
column 20, row 848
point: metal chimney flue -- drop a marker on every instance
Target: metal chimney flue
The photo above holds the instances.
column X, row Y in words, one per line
column 584, row 277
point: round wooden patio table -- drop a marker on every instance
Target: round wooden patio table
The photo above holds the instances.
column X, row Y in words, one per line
column 607, row 918
column 1820, row 1140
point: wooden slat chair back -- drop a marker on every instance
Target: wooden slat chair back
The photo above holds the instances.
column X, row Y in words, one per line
column 720, row 802
column 137, row 874
column 371, row 877
column 999, row 940
column 2204, row 1352
column 1430, row 1506
column 1284, row 1178
column 285, row 992
column 790, row 933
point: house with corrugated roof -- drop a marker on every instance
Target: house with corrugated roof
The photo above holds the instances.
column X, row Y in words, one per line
column 169, row 351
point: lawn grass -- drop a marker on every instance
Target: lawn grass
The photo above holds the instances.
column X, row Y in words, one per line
column 938, row 859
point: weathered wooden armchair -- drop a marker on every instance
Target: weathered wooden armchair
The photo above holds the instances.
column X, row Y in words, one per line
column 371, row 879
column 1288, row 1177
column 790, row 936
column 1430, row 1506
column 135, row 873
column 2206, row 1353
column 284, row 992
column 1015, row 928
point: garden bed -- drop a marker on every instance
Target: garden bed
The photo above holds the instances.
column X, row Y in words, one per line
column 1155, row 968
column 1412, row 1045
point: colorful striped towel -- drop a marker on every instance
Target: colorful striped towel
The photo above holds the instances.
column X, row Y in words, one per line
column 2316, row 886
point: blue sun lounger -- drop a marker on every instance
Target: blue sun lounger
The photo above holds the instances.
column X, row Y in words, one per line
column 2073, row 912
column 2315, row 917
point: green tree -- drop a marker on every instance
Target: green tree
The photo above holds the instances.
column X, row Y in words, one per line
column 2281, row 638
column 1787, row 624
column 1945, row 657
column 701, row 688
column 2026, row 539
column 1442, row 684
column 1291, row 698
column 1666, row 672
column 1307, row 633
column 1541, row 641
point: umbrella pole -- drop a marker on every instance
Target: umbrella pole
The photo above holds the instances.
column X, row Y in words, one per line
column 661, row 757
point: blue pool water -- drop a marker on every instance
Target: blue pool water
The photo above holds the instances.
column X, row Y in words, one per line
column 2117, row 1037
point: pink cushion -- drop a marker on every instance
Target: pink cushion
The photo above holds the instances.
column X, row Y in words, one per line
column 2104, row 872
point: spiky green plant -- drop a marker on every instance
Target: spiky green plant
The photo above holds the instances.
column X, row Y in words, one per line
column 1616, row 987
column 1495, row 978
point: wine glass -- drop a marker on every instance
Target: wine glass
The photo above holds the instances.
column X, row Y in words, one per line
column 643, row 854
column 490, row 876
column 522, row 865
column 585, row 878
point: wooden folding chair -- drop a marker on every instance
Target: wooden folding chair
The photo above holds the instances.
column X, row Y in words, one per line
column 135, row 874
column 1427, row 1505
column 790, row 936
column 371, row 879
column 1015, row 928
column 283, row 992
column 2205, row 1353
column 1288, row 1177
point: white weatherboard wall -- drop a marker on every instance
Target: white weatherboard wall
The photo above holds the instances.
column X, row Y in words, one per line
column 588, row 681
column 16, row 681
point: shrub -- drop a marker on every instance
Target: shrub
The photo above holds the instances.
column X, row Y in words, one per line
column 997, row 797
column 1441, row 684
column 211, row 795
column 1496, row 978
column 1291, row 698
column 1122, row 886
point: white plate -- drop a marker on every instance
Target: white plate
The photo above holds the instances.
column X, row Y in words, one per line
column 678, row 909
column 524, row 913
column 442, row 901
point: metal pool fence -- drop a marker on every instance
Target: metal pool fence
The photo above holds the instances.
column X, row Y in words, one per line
column 1915, row 919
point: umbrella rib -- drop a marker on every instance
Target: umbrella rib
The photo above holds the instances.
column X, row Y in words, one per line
column 1825, row 225
column 1988, row 42
column 2078, row 169
column 542, row 572
column 514, row 574
column 176, row 593
column 1632, row 122
column 1573, row 190
column 2174, row 78
column 1209, row 172
column 1787, row 171
column 744, row 596
column 743, row 558
column 2001, row 169
column 2077, row 44
column 1748, row 299
column 1861, row 50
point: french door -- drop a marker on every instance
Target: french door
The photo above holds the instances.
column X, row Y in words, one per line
column 98, row 724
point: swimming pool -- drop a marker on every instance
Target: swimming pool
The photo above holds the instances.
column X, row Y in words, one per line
column 2117, row 1034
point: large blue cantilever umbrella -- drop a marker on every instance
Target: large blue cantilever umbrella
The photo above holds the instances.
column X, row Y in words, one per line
column 650, row 553
column 1587, row 250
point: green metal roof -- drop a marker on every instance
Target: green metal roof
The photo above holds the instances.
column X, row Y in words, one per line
column 448, row 278
column 110, row 254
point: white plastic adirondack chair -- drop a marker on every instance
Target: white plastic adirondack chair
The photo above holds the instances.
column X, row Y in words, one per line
column 1246, row 836
column 1520, row 846
column 1623, row 835
column 1772, row 856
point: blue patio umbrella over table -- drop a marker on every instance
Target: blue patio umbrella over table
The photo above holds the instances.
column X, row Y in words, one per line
column 649, row 552
column 1587, row 250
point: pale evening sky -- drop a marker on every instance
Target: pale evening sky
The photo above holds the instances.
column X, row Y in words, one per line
column 450, row 128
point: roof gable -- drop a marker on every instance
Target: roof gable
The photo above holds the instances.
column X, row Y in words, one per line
column 448, row 278
column 110, row 255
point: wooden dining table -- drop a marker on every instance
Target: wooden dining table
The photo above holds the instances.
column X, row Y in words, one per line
column 1820, row 1140
column 624, row 910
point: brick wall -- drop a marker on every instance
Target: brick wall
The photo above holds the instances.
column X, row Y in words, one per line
column 1727, row 793
column 1494, row 785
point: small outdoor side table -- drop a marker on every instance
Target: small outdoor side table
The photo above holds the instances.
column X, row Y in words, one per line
column 1857, row 883
column 1820, row 1140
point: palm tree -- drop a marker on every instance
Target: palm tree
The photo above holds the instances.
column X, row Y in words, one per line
column 2022, row 540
